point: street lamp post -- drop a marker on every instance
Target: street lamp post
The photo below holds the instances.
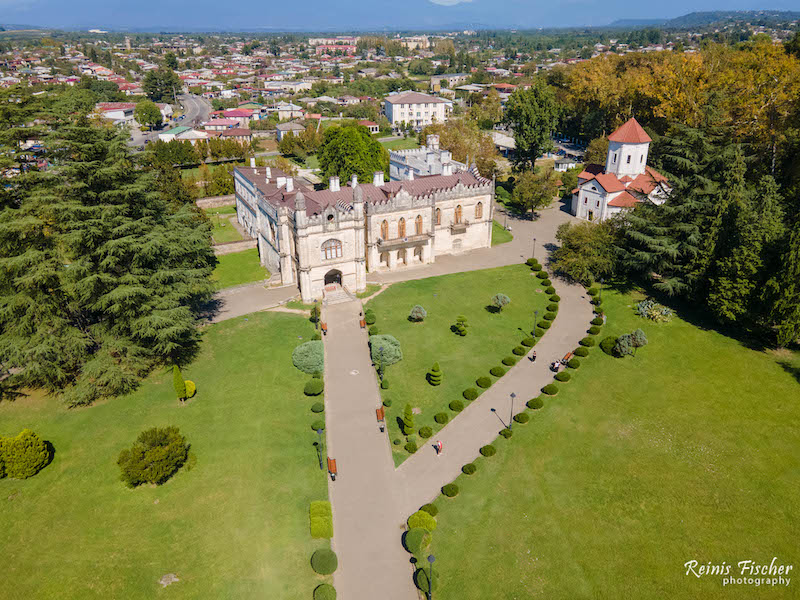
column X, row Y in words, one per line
column 431, row 558
column 533, row 251
column 318, row 444
column 511, row 418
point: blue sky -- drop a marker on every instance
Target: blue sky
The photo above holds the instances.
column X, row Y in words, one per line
column 349, row 14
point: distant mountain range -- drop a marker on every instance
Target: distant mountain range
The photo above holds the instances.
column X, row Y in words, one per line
column 713, row 17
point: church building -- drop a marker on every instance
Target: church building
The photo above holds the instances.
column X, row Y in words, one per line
column 625, row 180
column 325, row 241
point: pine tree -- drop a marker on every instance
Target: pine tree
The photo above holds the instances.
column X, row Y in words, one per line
column 782, row 293
column 178, row 383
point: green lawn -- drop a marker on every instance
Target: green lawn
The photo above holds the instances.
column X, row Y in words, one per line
column 371, row 289
column 239, row 268
column 223, row 230
column 689, row 450
column 491, row 336
column 195, row 171
column 220, row 210
column 311, row 162
column 402, row 144
column 500, row 235
column 234, row 526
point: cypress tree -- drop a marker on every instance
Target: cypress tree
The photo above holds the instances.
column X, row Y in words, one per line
column 782, row 293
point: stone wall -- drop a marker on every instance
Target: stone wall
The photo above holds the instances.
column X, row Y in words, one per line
column 231, row 247
column 216, row 201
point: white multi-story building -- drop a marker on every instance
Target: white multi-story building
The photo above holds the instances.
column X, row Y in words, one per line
column 624, row 181
column 419, row 162
column 416, row 109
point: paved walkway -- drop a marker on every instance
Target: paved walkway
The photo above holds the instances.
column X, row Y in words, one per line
column 243, row 300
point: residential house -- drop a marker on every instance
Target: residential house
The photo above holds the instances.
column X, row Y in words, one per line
column 416, row 109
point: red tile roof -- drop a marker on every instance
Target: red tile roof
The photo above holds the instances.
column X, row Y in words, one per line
column 609, row 182
column 236, row 132
column 624, row 200
column 590, row 171
column 647, row 181
column 630, row 133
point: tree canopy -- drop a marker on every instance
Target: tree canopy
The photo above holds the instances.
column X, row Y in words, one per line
column 532, row 114
column 351, row 150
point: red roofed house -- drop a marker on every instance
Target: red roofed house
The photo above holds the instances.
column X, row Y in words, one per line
column 625, row 181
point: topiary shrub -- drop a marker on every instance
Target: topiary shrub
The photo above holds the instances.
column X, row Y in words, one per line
column 506, row 433
column 573, row 363
column 531, row 261
column 317, row 407
column 23, row 455
column 594, row 330
column 500, row 300
column 555, row 298
column 441, row 418
column 497, row 371
column 488, row 450
column 535, row 403
column 369, row 316
column 528, row 342
column 587, row 342
column 324, row 561
column 397, row 442
column 425, row 432
column 597, row 301
column 456, row 406
column 549, row 316
column 539, row 332
column 316, row 336
column 325, row 591
column 551, row 389
column 387, row 403
column 592, row 291
column 392, row 353
column 416, row 540
column 461, row 326
column 520, row 350
column 373, row 330
column 314, row 387
column 411, row 447
column 552, row 307
column 470, row 394
column 191, row 388
column 318, row 424
column 422, row 519
column 545, row 324
column 450, row 490
column 385, row 383
column 435, row 375
column 550, row 290
column 563, row 376
column 542, row 275
column 309, row 357
column 469, row 469
column 320, row 519
column 582, row 352
column 597, row 321
column 483, row 382
column 430, row 509
column 522, row 418
column 155, row 456
column 417, row 314
column 510, row 361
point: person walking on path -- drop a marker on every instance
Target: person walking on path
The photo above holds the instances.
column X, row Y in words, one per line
column 439, row 446
column 533, row 356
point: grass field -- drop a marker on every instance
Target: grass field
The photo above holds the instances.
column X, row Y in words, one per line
column 491, row 337
column 234, row 526
column 223, row 231
column 195, row 171
column 689, row 450
column 371, row 289
column 239, row 268
column 500, row 235
column 402, row 144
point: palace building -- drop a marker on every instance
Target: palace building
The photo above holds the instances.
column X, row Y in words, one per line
column 624, row 181
column 327, row 240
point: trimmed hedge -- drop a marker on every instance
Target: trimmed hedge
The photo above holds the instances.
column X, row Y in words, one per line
column 324, row 561
column 450, row 490
column 550, row 291
column 425, row 432
column 597, row 321
column 441, row 418
column 608, row 343
column 309, row 357
column 470, row 394
column 317, row 407
column 422, row 518
column 549, row 316
column 551, row 389
column 314, row 387
column 542, row 275
column 369, row 317
column 320, row 519
column 573, row 363
column 548, row 283
column 385, row 383
column 373, row 330
column 397, row 442
column 387, row 403
column 411, row 447
column 552, row 307
column 430, row 509
column 325, row 591
column 498, row 371
column 563, row 376
column 535, row 403
column 488, row 450
column 539, row 332
column 531, row 261
column 587, row 341
column 510, row 361
column 530, row 342
column 417, row 539
column 545, row 324
column 597, row 301
column 582, row 352
column 469, row 469
column 483, row 382
column 456, row 405
column 522, row 418
column 594, row 330
column 506, row 433
column 318, row 424
column 592, row 291
column 520, row 351
column 555, row 298
column 392, row 351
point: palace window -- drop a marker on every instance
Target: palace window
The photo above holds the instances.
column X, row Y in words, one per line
column 418, row 225
column 401, row 228
column 615, row 158
column 479, row 210
column 385, row 230
column 438, row 216
column 458, row 214
column 629, row 159
column 331, row 249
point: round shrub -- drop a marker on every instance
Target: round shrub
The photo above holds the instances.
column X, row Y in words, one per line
column 545, row 324
column 552, row 307
column 387, row 403
column 597, row 321
column 563, row 376
column 417, row 314
column 592, row 291
column 317, row 407
column 488, row 450
column 318, row 424
column 542, row 275
column 539, row 332
column 385, row 383
column 594, row 330
column 397, row 442
column 531, row 261
column 469, row 469
column 155, row 456
column 309, row 357
column 314, row 387
column 373, row 330
column 608, row 343
column 324, row 561
column 555, row 298
column 325, row 591
column 369, row 317
column 483, row 382
column 510, row 361
column 535, row 403
column 549, row 316
column 422, row 519
column 529, row 342
column 582, row 352
column 547, row 283
column 574, row 363
column 551, row 389
column 430, row 509
column 470, row 394
column 456, row 406
column 520, row 350
column 435, row 375
column 522, row 418
column 597, row 301
column 506, row 433
column 450, row 490
column 25, row 454
column 441, row 418
column 392, row 352
column 411, row 447
column 425, row 432
column 587, row 341
column 550, row 291
column 497, row 371
column 417, row 539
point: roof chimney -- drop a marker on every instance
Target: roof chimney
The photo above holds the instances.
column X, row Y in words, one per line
column 268, row 173
column 333, row 184
column 252, row 162
column 289, row 184
column 281, row 181
column 377, row 178
column 447, row 168
column 354, row 180
column 410, row 174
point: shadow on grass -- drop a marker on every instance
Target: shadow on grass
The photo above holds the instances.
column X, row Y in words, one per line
column 790, row 368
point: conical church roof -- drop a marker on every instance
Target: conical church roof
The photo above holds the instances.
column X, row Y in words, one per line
column 630, row 133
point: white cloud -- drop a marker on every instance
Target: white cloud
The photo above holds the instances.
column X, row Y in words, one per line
column 449, row 2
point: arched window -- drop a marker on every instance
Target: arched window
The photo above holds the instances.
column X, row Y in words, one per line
column 418, row 225
column 479, row 210
column 272, row 231
column 401, row 228
column 385, row 230
column 438, row 216
column 458, row 214
column 331, row 249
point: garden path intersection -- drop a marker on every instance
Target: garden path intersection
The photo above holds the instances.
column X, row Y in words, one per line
column 371, row 499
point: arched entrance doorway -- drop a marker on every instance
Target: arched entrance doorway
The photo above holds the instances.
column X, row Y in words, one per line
column 333, row 276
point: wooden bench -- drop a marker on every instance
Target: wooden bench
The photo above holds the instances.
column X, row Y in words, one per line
column 332, row 468
column 381, row 414
column 566, row 358
column 324, row 327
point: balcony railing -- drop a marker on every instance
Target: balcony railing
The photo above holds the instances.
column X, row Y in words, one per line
column 456, row 228
column 404, row 242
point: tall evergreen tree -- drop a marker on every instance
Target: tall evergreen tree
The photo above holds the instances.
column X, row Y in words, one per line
column 783, row 293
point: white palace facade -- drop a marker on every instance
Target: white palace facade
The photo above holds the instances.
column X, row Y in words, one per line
column 320, row 239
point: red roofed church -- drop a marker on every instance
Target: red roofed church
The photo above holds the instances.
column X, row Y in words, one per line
column 625, row 180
